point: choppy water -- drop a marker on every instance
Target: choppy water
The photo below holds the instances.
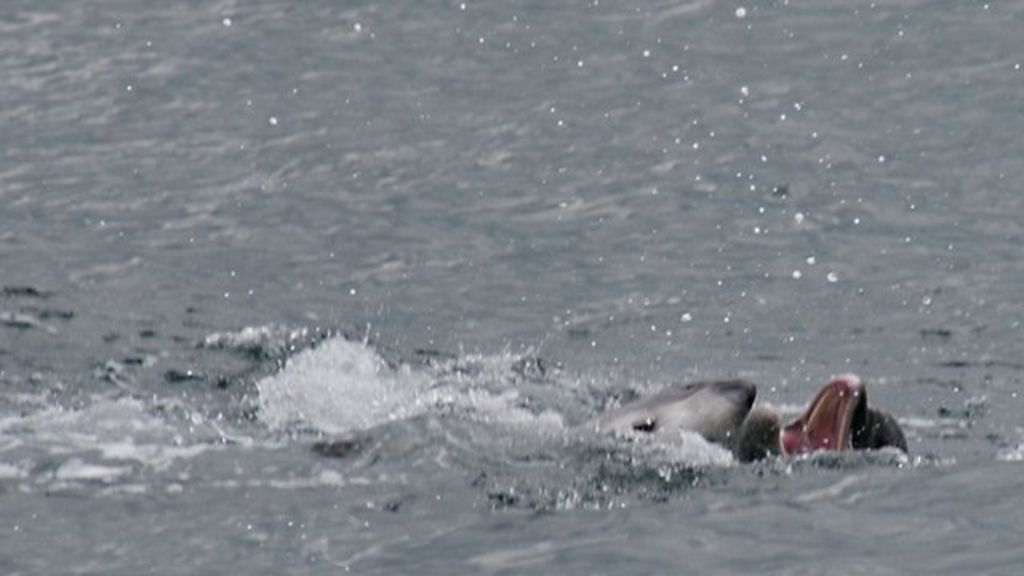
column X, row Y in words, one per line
column 446, row 233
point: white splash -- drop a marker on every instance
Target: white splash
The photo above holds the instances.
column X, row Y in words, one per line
column 342, row 386
column 693, row 449
column 104, row 441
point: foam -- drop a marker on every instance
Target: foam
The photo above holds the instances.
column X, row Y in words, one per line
column 341, row 386
column 1011, row 455
column 104, row 441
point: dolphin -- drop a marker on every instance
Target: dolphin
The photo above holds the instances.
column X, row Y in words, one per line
column 713, row 409
column 722, row 411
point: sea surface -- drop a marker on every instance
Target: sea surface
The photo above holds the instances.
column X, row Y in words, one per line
column 328, row 287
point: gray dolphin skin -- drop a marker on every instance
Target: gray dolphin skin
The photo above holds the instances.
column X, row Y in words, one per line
column 837, row 419
column 714, row 409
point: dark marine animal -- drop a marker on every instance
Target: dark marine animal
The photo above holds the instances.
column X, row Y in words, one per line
column 723, row 412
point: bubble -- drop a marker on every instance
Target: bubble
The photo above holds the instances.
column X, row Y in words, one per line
column 741, row 12
column 832, row 277
column 797, row 274
column 226, row 22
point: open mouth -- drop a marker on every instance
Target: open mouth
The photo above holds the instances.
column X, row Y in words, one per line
column 828, row 422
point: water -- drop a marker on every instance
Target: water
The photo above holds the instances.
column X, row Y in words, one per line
column 313, row 288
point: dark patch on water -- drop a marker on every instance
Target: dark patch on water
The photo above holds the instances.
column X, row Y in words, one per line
column 432, row 357
column 504, row 499
column 579, row 332
column 24, row 292
column 962, row 364
column 936, row 334
column 344, row 448
column 973, row 409
column 530, row 368
column 113, row 372
column 945, row 384
column 176, row 376
column 395, row 505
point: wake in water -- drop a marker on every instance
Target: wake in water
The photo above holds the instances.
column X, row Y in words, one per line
column 344, row 387
column 507, row 427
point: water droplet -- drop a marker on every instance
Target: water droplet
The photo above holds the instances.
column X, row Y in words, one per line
column 686, row 317
column 797, row 274
column 226, row 22
column 273, row 120
column 832, row 277
column 741, row 12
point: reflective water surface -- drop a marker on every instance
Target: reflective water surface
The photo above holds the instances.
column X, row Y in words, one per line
column 321, row 287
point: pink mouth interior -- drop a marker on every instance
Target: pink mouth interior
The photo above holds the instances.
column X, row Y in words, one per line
column 826, row 423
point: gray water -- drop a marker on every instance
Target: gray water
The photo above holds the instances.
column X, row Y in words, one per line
column 446, row 233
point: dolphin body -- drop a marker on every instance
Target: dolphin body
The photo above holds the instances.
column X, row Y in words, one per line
column 714, row 409
column 722, row 411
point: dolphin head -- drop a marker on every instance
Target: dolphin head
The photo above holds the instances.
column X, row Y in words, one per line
column 714, row 409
